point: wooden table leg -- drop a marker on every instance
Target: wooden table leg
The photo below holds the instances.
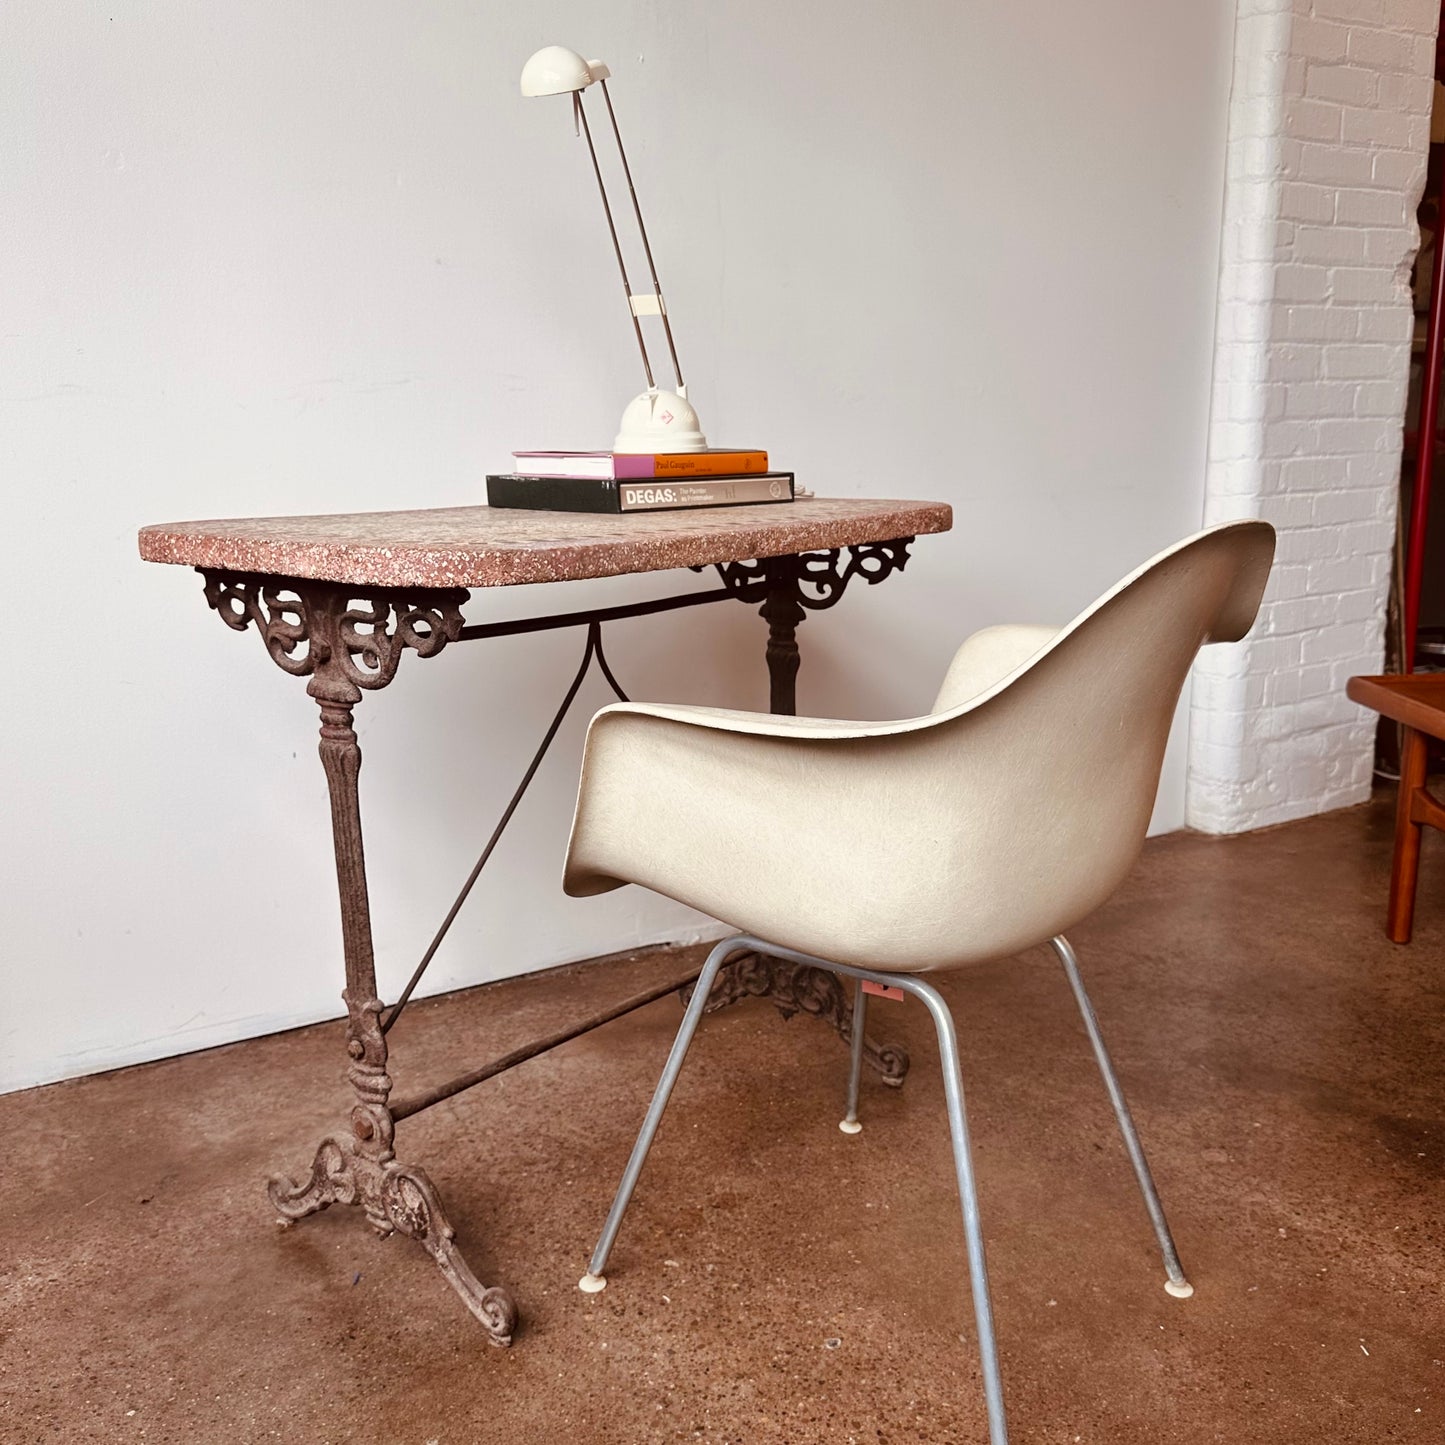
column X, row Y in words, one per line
column 1405, row 866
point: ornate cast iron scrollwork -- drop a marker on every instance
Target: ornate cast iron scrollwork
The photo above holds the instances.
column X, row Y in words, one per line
column 798, row 988
column 358, row 635
column 818, row 579
column 280, row 619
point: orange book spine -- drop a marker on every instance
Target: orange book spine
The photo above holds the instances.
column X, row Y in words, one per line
column 709, row 464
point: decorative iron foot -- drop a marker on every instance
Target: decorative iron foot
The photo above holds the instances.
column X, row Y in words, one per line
column 397, row 1198
column 415, row 1210
column 331, row 1182
column 798, row 988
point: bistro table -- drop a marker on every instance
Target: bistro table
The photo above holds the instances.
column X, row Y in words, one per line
column 340, row 599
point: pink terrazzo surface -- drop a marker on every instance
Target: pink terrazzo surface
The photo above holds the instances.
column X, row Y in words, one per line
column 492, row 547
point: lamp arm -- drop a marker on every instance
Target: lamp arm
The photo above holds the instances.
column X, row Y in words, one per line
column 581, row 111
column 646, row 245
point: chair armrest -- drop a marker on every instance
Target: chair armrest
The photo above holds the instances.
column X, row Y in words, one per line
column 988, row 657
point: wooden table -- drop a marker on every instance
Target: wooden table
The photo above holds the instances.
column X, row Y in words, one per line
column 340, row 599
column 1417, row 702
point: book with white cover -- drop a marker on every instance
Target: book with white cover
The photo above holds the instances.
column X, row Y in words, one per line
column 620, row 466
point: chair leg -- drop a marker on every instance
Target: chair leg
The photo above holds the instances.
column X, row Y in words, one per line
column 850, row 1124
column 594, row 1280
column 968, row 1197
column 1176, row 1284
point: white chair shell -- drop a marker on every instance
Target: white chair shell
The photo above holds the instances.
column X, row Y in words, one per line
column 993, row 823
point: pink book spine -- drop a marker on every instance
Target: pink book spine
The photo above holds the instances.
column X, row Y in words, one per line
column 627, row 467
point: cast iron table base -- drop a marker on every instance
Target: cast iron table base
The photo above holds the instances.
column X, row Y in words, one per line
column 349, row 640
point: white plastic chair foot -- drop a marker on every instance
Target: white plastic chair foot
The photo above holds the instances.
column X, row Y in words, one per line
column 850, row 1126
column 1182, row 1290
column 592, row 1283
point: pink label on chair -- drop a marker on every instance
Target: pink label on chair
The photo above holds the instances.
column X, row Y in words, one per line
column 883, row 990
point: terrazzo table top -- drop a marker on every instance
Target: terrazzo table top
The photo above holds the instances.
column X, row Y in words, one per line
column 496, row 547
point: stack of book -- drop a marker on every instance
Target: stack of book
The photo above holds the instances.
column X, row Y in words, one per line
column 627, row 482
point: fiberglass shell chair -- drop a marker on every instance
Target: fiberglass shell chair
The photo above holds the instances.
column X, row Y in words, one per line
column 885, row 851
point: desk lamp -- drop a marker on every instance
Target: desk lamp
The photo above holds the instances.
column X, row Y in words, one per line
column 657, row 420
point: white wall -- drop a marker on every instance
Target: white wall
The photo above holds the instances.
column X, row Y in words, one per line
column 289, row 257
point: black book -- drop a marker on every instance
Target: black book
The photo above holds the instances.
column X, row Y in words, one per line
column 607, row 494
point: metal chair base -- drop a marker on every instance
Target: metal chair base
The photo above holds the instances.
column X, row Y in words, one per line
column 595, row 1280
column 958, row 1130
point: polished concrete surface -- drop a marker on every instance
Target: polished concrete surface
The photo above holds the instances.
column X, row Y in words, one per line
column 778, row 1280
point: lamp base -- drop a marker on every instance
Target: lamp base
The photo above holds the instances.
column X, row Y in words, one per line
column 659, row 421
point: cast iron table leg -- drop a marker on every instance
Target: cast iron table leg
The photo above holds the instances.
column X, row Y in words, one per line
column 789, row 588
column 313, row 629
column 782, row 610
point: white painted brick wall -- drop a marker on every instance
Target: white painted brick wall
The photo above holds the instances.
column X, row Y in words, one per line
column 1329, row 130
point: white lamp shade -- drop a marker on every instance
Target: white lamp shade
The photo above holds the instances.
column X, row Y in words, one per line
column 555, row 70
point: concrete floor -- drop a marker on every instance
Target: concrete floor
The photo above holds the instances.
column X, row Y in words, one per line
column 777, row 1280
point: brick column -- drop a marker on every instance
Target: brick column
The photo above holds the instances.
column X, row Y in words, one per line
column 1328, row 134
